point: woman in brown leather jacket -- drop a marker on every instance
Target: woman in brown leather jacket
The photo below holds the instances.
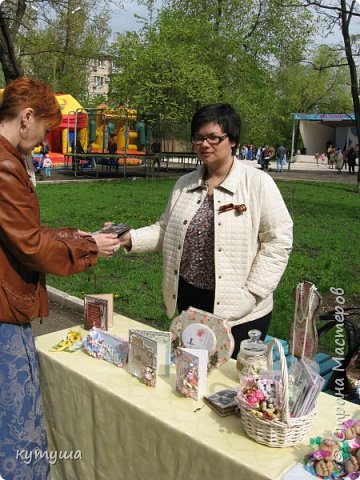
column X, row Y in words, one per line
column 27, row 252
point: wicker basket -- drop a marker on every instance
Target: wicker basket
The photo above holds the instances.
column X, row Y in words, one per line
column 284, row 432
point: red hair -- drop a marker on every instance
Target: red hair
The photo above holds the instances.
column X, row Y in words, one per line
column 30, row 93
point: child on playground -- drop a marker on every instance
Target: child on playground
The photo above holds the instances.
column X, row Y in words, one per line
column 47, row 165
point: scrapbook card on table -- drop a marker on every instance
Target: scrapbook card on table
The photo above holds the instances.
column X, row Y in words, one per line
column 223, row 402
column 105, row 346
column 191, row 372
column 149, row 354
column 98, row 311
column 198, row 329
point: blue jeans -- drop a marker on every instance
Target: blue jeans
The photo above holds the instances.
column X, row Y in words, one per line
column 22, row 433
column 280, row 164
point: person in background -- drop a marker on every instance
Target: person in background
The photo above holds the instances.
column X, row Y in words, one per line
column 345, row 157
column 112, row 149
column 332, row 156
column 269, row 155
column 280, row 158
column 329, row 150
column 259, row 155
column 352, row 160
column 28, row 251
column 90, row 161
column 339, row 158
column 112, row 146
column 47, row 165
column 264, row 156
column 251, row 152
column 156, row 145
column 317, row 158
column 225, row 234
column 44, row 148
column 156, row 150
column 77, row 149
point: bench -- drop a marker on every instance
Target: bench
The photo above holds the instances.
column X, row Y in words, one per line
column 326, row 362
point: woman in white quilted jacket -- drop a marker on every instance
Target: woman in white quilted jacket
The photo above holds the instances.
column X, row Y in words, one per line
column 226, row 234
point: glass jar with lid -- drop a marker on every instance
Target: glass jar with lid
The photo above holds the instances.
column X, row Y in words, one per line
column 252, row 355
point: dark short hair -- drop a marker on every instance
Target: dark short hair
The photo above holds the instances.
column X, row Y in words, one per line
column 222, row 114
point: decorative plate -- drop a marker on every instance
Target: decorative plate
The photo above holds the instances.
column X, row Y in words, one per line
column 196, row 328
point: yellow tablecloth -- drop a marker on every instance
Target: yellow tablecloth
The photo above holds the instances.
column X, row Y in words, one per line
column 126, row 430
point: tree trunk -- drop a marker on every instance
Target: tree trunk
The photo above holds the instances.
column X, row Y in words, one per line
column 345, row 20
column 9, row 62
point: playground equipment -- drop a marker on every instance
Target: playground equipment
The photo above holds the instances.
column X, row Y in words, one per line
column 81, row 141
column 89, row 130
column 132, row 136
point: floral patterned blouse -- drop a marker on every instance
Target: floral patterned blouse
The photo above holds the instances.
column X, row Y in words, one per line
column 197, row 265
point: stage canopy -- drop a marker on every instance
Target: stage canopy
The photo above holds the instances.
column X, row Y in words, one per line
column 319, row 129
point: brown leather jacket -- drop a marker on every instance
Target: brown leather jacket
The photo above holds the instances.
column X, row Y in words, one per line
column 28, row 250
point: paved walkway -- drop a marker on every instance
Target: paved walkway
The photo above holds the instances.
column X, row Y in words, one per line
column 313, row 172
column 297, row 171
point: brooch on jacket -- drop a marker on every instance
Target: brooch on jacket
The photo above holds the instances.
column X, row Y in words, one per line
column 230, row 206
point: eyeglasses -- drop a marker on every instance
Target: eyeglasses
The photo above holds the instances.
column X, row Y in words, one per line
column 211, row 139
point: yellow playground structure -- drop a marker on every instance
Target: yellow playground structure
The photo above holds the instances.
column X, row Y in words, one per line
column 89, row 131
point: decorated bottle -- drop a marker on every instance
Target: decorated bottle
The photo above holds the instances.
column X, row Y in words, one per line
column 251, row 358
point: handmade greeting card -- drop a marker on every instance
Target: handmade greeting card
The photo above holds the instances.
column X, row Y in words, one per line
column 103, row 345
column 223, row 402
column 98, row 311
column 149, row 354
column 118, row 228
column 196, row 328
column 191, row 372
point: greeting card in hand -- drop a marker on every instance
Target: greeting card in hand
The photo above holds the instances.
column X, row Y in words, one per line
column 191, row 372
column 98, row 311
column 118, row 228
column 149, row 354
column 103, row 345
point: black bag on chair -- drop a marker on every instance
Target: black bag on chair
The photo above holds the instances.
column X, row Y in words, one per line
column 351, row 325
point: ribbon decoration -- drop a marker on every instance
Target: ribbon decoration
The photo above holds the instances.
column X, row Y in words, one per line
column 230, row 206
column 70, row 343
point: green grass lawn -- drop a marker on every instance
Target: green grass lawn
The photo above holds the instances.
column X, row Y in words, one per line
column 326, row 243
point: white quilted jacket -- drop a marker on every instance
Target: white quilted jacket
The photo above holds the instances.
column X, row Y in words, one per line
column 251, row 249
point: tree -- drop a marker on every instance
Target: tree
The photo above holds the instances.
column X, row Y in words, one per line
column 162, row 71
column 194, row 53
column 308, row 87
column 60, row 46
column 53, row 40
column 11, row 15
column 339, row 14
column 262, row 28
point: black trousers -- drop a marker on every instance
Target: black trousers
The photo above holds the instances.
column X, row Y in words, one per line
column 190, row 296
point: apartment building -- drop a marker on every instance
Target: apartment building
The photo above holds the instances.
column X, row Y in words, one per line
column 99, row 77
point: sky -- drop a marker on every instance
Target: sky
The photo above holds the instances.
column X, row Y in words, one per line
column 124, row 20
